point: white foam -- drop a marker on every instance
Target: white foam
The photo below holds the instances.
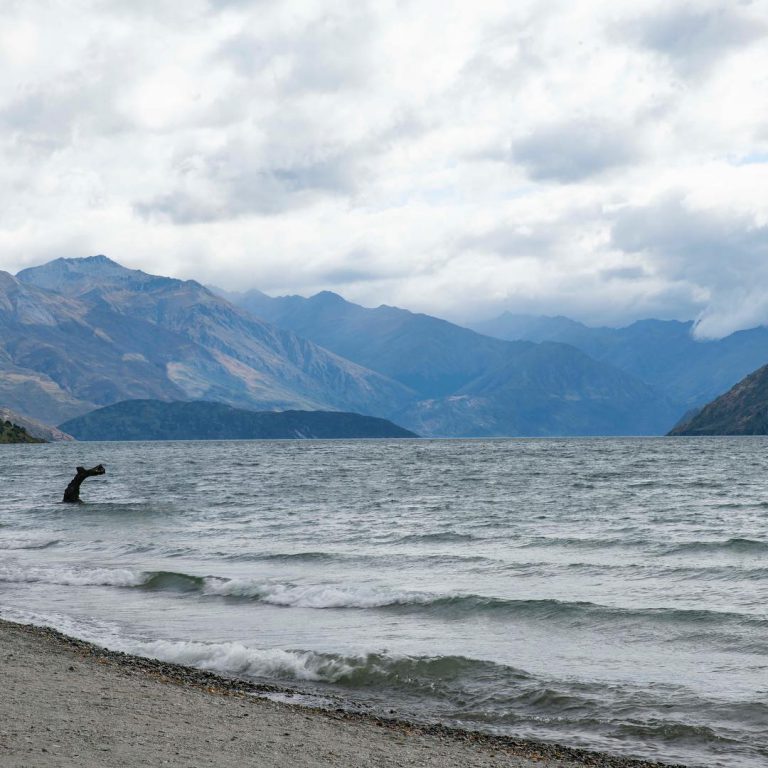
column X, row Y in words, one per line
column 315, row 595
column 231, row 658
column 112, row 577
column 238, row 659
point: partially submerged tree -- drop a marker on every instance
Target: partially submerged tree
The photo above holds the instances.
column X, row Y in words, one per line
column 72, row 492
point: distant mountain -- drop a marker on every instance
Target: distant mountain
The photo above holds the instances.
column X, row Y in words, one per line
column 79, row 333
column 35, row 428
column 742, row 410
column 156, row 420
column 552, row 390
column 513, row 327
column 57, row 360
column 663, row 353
column 469, row 384
column 13, row 433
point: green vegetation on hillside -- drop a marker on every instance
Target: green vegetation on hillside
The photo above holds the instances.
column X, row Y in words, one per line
column 11, row 433
column 199, row 420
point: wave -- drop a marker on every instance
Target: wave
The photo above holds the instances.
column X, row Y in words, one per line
column 370, row 559
column 170, row 581
column 81, row 577
column 444, row 536
column 378, row 597
column 365, row 671
column 315, row 595
column 234, row 658
column 583, row 543
column 646, row 571
column 735, row 545
column 284, row 557
column 12, row 544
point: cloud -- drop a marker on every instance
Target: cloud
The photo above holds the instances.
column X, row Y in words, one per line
column 332, row 53
column 575, row 150
column 721, row 254
column 693, row 36
column 624, row 273
column 455, row 158
column 240, row 179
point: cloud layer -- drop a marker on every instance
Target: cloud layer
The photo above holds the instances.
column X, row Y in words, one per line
column 605, row 160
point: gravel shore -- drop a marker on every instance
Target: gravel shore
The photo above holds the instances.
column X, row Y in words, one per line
column 65, row 702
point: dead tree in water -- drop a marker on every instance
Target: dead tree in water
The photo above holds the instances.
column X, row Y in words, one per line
column 72, row 493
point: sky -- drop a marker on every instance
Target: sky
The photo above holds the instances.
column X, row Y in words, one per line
column 606, row 160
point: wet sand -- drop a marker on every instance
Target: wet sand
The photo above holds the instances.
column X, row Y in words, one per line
column 64, row 702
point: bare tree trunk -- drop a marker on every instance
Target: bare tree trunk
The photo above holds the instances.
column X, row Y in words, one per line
column 72, row 493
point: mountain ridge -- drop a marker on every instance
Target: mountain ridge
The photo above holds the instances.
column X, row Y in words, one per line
column 450, row 367
column 663, row 353
column 191, row 343
column 98, row 333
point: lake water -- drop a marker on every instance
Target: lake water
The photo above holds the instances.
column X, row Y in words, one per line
column 608, row 593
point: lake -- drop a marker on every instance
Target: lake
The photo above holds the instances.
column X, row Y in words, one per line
column 606, row 593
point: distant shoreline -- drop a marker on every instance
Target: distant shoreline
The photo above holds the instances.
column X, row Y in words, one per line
column 67, row 699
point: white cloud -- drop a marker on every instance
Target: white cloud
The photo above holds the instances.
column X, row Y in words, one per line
column 450, row 157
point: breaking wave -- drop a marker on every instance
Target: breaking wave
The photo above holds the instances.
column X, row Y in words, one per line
column 372, row 596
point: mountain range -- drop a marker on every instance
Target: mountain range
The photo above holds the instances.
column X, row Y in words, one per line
column 79, row 334
column 664, row 353
column 469, row 384
column 76, row 334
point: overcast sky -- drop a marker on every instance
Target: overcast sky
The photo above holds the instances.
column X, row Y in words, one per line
column 602, row 159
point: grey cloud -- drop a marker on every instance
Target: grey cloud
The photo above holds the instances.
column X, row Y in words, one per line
column 513, row 242
column 239, row 180
column 361, row 265
column 691, row 241
column 718, row 254
column 346, row 275
column 694, row 37
column 332, row 53
column 574, row 151
column 45, row 117
column 624, row 273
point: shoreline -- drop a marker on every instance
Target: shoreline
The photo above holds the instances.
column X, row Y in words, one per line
column 70, row 702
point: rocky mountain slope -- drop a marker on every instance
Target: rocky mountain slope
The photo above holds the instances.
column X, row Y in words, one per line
column 79, row 333
column 742, row 410
column 156, row 420
column 469, row 384
column 35, row 428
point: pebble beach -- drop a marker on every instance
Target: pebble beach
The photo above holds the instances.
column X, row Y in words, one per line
column 67, row 702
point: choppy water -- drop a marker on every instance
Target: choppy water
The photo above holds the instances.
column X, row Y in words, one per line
column 607, row 593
